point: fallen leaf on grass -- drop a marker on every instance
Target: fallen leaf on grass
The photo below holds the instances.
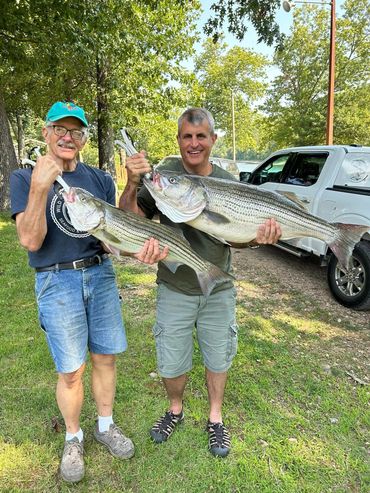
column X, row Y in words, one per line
column 57, row 427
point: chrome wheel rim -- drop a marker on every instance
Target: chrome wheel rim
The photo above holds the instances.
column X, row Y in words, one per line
column 351, row 282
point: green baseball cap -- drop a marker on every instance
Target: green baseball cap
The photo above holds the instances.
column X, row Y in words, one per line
column 62, row 109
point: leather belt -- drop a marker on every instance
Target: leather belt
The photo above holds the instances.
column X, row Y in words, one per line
column 76, row 264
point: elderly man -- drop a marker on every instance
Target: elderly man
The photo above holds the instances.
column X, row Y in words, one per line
column 78, row 300
column 180, row 303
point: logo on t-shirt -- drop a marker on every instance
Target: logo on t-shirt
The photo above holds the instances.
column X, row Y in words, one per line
column 59, row 213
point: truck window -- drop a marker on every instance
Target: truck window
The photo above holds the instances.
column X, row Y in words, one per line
column 306, row 169
column 270, row 171
column 355, row 171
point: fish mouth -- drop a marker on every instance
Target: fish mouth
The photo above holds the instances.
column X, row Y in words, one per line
column 70, row 196
column 156, row 181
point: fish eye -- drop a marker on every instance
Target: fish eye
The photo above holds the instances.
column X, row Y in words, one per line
column 172, row 180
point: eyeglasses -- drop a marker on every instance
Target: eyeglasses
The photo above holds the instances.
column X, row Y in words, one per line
column 61, row 131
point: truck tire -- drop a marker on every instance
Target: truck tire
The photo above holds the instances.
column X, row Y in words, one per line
column 352, row 289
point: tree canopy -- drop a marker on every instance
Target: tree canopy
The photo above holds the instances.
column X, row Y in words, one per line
column 124, row 62
column 236, row 13
column 297, row 98
column 118, row 59
column 225, row 74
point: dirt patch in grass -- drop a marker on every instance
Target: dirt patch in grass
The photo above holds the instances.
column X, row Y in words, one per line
column 268, row 264
column 296, row 289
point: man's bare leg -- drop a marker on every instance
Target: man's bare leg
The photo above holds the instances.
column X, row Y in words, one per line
column 69, row 393
column 165, row 426
column 216, row 383
column 103, row 378
column 175, row 391
column 218, row 436
column 103, row 382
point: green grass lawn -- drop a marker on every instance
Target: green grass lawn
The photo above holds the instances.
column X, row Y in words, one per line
column 296, row 425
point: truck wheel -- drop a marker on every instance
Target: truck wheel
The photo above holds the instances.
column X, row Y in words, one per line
column 352, row 288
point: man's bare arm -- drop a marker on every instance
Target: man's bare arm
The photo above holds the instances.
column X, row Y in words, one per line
column 31, row 224
column 136, row 166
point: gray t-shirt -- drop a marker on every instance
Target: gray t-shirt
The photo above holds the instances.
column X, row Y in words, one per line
column 184, row 280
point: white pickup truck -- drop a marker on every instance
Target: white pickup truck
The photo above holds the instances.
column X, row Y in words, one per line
column 334, row 183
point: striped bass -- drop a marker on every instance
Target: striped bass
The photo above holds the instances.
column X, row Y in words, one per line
column 232, row 211
column 127, row 231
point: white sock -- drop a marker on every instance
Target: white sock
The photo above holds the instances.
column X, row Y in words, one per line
column 104, row 423
column 79, row 434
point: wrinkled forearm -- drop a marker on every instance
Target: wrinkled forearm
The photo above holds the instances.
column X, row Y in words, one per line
column 31, row 224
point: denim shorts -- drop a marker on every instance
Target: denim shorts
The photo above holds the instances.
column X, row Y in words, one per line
column 216, row 329
column 80, row 310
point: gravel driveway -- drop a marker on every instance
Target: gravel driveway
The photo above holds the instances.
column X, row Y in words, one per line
column 295, row 288
column 293, row 273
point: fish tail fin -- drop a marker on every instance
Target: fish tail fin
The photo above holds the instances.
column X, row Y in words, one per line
column 211, row 277
column 344, row 243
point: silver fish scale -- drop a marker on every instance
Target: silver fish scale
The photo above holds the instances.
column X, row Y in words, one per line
column 261, row 205
column 133, row 230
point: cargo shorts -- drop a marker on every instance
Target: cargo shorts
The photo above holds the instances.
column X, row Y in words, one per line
column 215, row 324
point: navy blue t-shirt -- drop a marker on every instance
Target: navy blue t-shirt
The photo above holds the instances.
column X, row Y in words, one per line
column 62, row 242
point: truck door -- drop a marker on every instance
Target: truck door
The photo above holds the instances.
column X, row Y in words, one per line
column 301, row 177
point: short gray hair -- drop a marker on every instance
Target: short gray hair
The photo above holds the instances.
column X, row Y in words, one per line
column 196, row 116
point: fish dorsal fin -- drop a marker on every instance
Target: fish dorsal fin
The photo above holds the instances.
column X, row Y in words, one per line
column 177, row 215
column 293, row 198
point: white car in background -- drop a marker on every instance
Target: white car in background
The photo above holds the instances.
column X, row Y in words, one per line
column 246, row 168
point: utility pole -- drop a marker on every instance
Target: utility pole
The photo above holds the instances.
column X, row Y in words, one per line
column 233, row 123
column 330, row 113
column 330, row 103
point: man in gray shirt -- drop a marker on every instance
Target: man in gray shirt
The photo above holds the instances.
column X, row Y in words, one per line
column 180, row 302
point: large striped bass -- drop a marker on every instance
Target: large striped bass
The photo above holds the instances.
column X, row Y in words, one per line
column 232, row 211
column 126, row 231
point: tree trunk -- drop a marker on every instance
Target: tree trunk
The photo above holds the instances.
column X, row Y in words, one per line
column 20, row 137
column 8, row 159
column 105, row 130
